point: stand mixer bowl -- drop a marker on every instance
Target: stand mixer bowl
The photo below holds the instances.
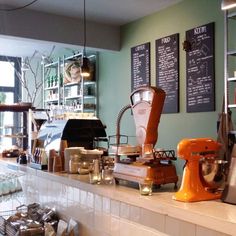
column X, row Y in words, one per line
column 214, row 172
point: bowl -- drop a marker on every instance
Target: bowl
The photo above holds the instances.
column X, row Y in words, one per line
column 214, row 171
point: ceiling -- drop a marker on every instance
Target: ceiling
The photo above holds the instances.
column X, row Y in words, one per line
column 113, row 12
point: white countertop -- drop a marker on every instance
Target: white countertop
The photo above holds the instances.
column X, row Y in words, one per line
column 212, row 214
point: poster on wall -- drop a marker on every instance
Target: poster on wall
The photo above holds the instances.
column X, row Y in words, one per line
column 167, row 71
column 140, row 66
column 200, row 69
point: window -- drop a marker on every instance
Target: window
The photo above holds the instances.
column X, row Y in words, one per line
column 10, row 92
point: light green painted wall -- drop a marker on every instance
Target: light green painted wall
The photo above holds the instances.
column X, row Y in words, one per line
column 115, row 72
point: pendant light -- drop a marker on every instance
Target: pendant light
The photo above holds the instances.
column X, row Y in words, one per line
column 227, row 4
column 85, row 70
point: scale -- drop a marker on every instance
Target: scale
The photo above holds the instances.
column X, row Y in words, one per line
column 143, row 161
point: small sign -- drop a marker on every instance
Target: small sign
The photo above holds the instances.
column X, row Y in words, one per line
column 167, row 71
column 200, row 69
column 140, row 66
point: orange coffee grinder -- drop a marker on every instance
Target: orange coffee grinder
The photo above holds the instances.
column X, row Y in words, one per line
column 193, row 187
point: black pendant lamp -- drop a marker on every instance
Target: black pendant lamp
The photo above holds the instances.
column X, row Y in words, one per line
column 85, row 69
column 227, row 4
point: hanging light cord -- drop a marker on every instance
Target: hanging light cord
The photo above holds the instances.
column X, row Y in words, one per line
column 18, row 8
column 84, row 29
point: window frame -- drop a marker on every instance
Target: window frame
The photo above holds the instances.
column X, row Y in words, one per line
column 16, row 90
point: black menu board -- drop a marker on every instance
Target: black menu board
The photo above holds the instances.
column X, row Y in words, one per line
column 140, row 66
column 200, row 69
column 167, row 71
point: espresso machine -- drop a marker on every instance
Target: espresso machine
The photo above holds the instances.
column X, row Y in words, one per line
column 143, row 161
column 194, row 187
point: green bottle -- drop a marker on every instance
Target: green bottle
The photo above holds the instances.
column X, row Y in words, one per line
column 55, row 80
column 61, row 80
column 52, row 80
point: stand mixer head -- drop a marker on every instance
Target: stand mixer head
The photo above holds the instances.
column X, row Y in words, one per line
column 193, row 187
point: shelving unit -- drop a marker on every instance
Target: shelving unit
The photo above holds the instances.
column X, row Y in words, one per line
column 20, row 132
column 52, row 84
column 80, row 96
column 229, row 71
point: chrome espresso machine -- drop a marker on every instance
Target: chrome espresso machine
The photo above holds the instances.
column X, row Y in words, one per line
column 58, row 134
column 137, row 163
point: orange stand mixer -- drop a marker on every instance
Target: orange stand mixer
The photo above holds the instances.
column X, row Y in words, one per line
column 193, row 187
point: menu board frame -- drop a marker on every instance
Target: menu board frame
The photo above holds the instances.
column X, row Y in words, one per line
column 200, row 69
column 167, row 71
column 140, row 66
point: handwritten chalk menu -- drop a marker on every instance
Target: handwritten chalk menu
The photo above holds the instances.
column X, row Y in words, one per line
column 167, row 71
column 140, row 66
column 200, row 69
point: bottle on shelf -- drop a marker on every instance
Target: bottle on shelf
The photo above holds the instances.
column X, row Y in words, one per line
column 55, row 80
column 52, row 81
column 48, row 82
column 61, row 79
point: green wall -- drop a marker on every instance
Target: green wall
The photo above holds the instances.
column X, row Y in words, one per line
column 115, row 72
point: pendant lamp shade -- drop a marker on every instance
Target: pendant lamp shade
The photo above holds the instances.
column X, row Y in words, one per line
column 227, row 4
column 85, row 69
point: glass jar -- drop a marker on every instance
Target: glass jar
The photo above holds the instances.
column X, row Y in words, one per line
column 84, row 167
column 74, row 164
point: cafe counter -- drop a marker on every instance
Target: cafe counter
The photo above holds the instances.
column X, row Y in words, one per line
column 112, row 210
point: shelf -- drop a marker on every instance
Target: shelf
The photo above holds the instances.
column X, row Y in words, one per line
column 89, row 97
column 51, row 88
column 78, row 55
column 231, row 53
column 11, row 127
column 232, row 15
column 232, row 106
column 53, row 64
column 12, row 136
column 89, row 110
column 233, row 79
column 17, row 107
column 52, row 100
column 78, row 109
column 71, row 84
column 73, row 97
column 89, row 82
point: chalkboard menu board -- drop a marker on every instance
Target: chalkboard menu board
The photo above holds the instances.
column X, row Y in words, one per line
column 200, row 69
column 140, row 66
column 167, row 71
